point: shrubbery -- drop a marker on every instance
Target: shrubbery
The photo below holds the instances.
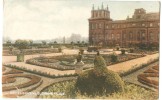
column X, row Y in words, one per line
column 81, row 51
column 92, row 83
column 60, row 49
column 114, row 58
column 131, row 50
column 122, row 51
column 20, row 57
column 99, row 80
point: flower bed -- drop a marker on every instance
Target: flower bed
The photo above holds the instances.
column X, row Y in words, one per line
column 30, row 51
column 67, row 62
column 144, row 77
column 33, row 80
column 12, row 71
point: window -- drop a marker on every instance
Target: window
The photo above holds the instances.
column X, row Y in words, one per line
column 92, row 26
column 112, row 36
column 112, row 26
column 130, row 35
column 143, row 35
column 100, row 25
column 143, row 24
column 102, row 13
column 151, row 24
column 151, row 36
column 96, row 26
column 107, row 26
column 133, row 24
column 118, row 36
column 118, row 26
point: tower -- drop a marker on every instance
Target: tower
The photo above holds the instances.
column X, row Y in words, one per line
column 97, row 25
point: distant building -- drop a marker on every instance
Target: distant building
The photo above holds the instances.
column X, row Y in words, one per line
column 141, row 28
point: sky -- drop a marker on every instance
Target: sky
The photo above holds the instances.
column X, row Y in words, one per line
column 49, row 19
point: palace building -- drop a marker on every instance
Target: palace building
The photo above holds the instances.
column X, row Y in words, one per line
column 141, row 28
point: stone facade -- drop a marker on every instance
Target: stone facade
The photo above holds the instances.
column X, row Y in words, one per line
column 141, row 28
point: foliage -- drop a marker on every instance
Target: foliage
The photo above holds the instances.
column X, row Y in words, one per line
column 117, row 48
column 131, row 50
column 81, row 50
column 33, row 80
column 93, row 83
column 114, row 58
column 45, row 74
column 60, row 49
column 137, row 67
column 22, row 44
column 20, row 57
column 99, row 63
column 123, row 51
column 131, row 91
column 44, row 42
column 55, row 42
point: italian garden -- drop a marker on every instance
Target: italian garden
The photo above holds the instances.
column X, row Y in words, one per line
column 79, row 71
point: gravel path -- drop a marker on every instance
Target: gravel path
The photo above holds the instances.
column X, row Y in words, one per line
column 132, row 78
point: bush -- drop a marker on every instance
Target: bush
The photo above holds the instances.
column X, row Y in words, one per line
column 20, row 57
column 114, row 58
column 91, row 83
column 117, row 48
column 81, row 51
column 99, row 63
column 60, row 49
column 122, row 51
column 100, row 80
column 131, row 50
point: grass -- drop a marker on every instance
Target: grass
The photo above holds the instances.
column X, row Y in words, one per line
column 66, row 90
column 45, row 74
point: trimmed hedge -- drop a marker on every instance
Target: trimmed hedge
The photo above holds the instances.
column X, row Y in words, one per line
column 92, row 83
column 33, row 80
column 40, row 73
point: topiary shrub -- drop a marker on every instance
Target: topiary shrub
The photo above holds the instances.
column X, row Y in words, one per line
column 92, row 83
column 81, row 51
column 99, row 63
column 20, row 57
column 100, row 80
column 131, row 50
column 114, row 58
column 122, row 51
column 60, row 49
column 117, row 48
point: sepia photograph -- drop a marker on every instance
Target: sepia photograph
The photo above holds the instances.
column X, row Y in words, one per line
column 81, row 49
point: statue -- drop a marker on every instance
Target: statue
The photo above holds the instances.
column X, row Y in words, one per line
column 79, row 64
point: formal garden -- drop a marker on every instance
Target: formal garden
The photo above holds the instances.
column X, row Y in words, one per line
column 67, row 62
column 98, row 83
column 89, row 74
column 16, row 82
column 150, row 77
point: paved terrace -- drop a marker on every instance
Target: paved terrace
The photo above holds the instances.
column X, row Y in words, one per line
column 124, row 66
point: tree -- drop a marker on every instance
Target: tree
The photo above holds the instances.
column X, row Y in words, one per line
column 8, row 42
column 55, row 42
column 22, row 44
column 72, row 43
column 44, row 42
column 31, row 42
column 78, row 42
